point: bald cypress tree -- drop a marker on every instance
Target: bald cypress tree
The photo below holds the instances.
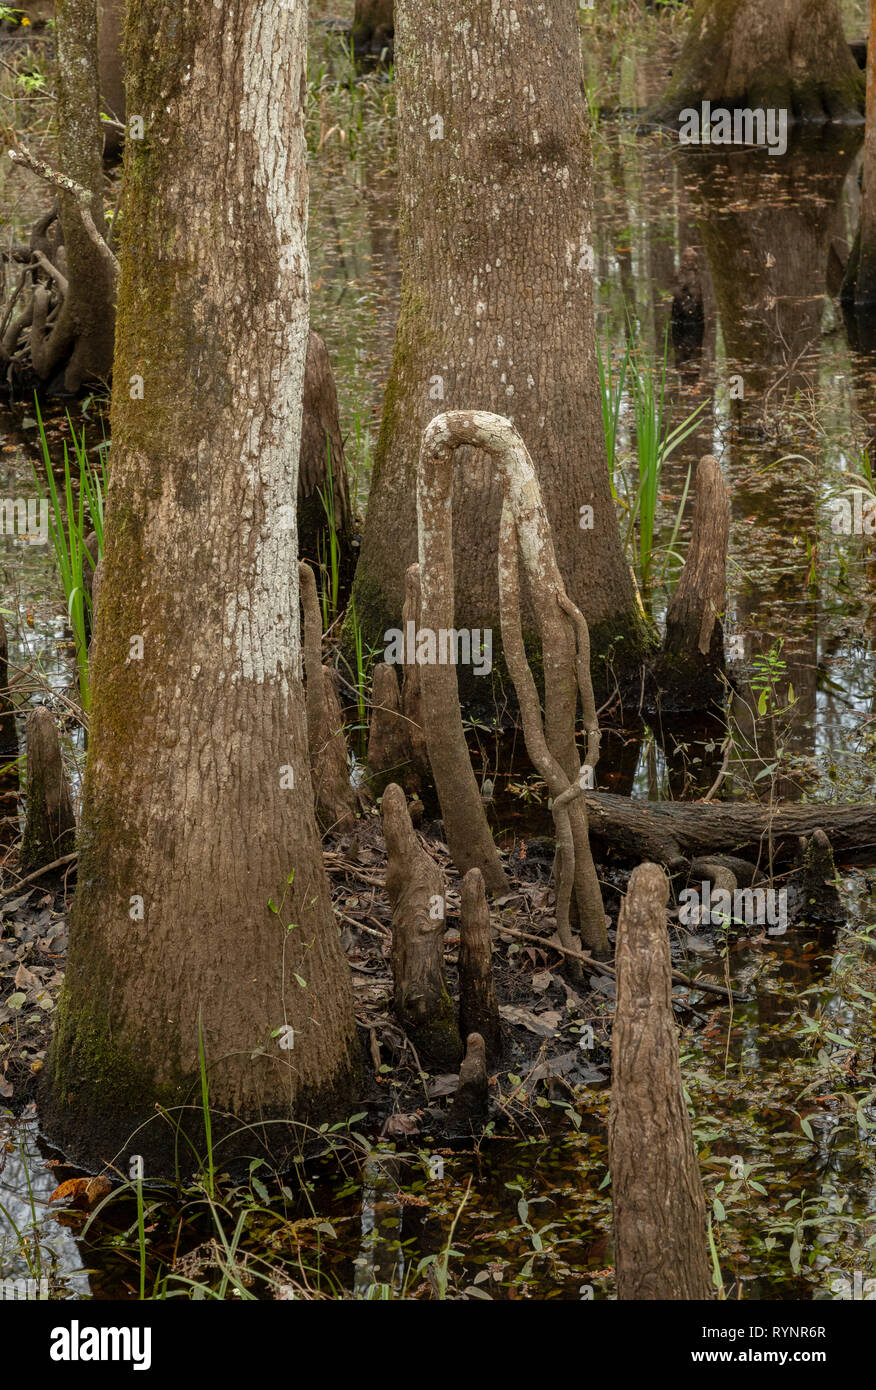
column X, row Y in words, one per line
column 202, row 913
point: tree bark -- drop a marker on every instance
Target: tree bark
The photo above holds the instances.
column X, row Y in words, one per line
column 191, row 826
column 322, row 447
column 50, row 829
column 859, row 286
column 110, row 23
column 373, row 27
column 478, row 1010
column 8, row 731
column 691, row 666
column 86, row 320
column 389, row 748
column 415, row 887
column 772, row 54
column 468, row 1109
column 329, row 764
column 497, row 312
column 672, row 832
column 658, row 1203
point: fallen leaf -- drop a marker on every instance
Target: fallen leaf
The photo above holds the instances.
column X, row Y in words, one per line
column 82, row 1193
column 401, row 1124
column 443, row 1085
column 545, row 1025
column 25, row 979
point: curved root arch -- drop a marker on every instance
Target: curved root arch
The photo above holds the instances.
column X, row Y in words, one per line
column 565, row 653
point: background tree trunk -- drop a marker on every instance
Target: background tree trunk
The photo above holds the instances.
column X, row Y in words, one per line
column 373, row 27
column 859, row 286
column 780, row 54
column 321, row 442
column 191, row 822
column 110, row 23
column 86, row 321
column 496, row 313
column 691, row 668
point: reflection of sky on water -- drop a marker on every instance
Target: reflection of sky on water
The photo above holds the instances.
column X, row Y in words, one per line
column 23, row 1165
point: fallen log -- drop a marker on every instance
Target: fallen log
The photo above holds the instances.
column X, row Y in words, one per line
column 673, row 832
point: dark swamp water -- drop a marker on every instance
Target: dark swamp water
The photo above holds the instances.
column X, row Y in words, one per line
column 782, row 1084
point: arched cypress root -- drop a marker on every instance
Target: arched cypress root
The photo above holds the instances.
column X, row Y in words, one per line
column 396, row 744
column 335, row 798
column 585, row 684
column 468, row 834
column 574, row 862
column 411, row 692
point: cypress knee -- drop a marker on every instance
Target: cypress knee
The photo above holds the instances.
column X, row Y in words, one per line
column 692, row 666
column 469, row 1107
column 50, row 830
column 421, row 1000
column 334, row 796
column 389, row 748
column 478, row 1010
column 8, row 733
column 659, row 1208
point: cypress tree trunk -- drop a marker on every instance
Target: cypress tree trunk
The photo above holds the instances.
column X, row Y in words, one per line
column 322, row 471
column 373, row 26
column 86, row 321
column 110, row 22
column 780, row 54
column 496, row 310
column 197, row 805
